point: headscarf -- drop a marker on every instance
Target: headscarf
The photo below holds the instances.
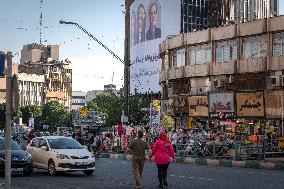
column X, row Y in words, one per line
column 163, row 137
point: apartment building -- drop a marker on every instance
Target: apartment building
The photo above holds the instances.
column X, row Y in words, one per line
column 79, row 99
column 242, row 58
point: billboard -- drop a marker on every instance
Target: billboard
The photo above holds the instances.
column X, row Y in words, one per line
column 151, row 21
column 221, row 105
column 250, row 104
column 2, row 64
column 273, row 103
column 180, row 104
column 198, row 106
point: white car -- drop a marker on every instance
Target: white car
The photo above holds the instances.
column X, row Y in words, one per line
column 59, row 153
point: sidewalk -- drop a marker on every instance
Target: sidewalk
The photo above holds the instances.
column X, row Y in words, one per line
column 212, row 162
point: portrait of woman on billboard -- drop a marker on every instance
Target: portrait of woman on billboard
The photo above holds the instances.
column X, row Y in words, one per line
column 154, row 32
column 133, row 29
column 141, row 24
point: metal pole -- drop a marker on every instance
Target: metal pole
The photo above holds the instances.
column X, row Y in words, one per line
column 8, row 121
column 151, row 106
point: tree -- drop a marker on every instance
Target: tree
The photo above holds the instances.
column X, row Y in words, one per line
column 31, row 111
column 138, row 110
column 92, row 106
column 2, row 115
column 167, row 122
column 55, row 114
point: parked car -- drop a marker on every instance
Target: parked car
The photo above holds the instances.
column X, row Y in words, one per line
column 60, row 154
column 21, row 162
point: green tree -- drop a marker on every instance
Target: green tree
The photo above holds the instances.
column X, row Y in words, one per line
column 2, row 115
column 92, row 106
column 167, row 122
column 55, row 114
column 29, row 111
column 138, row 110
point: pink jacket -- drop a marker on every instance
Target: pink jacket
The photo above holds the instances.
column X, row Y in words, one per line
column 163, row 150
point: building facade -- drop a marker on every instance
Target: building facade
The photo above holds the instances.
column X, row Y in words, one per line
column 79, row 99
column 242, row 63
column 31, row 89
column 39, row 53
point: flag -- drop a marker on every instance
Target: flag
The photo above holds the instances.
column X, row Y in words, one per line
column 2, row 64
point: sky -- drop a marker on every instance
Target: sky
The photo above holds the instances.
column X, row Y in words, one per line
column 93, row 66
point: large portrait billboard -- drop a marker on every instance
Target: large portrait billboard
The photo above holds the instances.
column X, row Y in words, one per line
column 221, row 105
column 250, row 104
column 151, row 21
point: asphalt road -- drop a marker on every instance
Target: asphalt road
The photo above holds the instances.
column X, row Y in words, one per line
column 111, row 174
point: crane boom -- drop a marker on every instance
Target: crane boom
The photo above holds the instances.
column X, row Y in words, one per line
column 94, row 38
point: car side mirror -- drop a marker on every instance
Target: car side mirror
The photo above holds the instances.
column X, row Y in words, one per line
column 45, row 148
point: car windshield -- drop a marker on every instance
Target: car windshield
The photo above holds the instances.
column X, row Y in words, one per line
column 14, row 145
column 64, row 143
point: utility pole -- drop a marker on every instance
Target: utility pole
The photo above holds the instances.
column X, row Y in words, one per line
column 9, row 106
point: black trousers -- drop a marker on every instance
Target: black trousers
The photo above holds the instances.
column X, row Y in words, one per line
column 162, row 172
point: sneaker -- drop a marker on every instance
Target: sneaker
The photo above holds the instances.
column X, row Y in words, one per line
column 161, row 185
column 165, row 183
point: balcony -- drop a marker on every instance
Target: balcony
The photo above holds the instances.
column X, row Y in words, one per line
column 276, row 63
column 200, row 70
column 163, row 76
column 251, row 65
column 224, row 68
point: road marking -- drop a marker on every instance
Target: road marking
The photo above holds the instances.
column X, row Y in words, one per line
column 200, row 178
column 173, row 175
column 124, row 162
column 210, row 179
column 251, row 172
column 181, row 176
column 191, row 177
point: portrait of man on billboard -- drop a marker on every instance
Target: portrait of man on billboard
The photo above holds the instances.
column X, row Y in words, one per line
column 141, row 24
column 153, row 32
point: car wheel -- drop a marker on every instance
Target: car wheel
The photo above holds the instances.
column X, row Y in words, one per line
column 89, row 172
column 51, row 168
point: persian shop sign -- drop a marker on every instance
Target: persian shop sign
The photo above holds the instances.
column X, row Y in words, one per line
column 221, row 104
column 198, row 106
column 250, row 104
column 180, row 104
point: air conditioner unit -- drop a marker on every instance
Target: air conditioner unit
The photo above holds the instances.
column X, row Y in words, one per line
column 218, row 83
column 274, row 81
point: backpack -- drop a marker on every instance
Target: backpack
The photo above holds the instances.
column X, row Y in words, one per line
column 99, row 141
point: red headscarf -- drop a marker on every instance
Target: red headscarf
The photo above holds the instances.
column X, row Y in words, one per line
column 163, row 137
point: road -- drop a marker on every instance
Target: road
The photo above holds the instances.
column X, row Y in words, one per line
column 111, row 174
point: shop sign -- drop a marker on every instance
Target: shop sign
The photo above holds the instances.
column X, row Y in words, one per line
column 250, row 104
column 221, row 105
column 273, row 104
column 180, row 104
column 198, row 106
column 167, row 107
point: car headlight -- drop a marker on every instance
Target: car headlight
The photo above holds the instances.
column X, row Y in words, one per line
column 28, row 157
column 62, row 156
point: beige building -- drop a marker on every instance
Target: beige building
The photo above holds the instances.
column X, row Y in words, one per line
column 39, row 53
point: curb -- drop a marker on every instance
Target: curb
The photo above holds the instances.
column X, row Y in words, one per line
column 213, row 162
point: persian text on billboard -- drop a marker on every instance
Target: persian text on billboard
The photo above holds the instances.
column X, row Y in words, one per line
column 151, row 21
column 221, row 102
column 273, row 104
column 250, row 104
column 198, row 106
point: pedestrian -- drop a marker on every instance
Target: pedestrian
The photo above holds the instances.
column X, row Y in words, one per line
column 137, row 148
column 174, row 139
column 163, row 151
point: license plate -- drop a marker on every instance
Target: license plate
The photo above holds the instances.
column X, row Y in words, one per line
column 81, row 163
column 16, row 170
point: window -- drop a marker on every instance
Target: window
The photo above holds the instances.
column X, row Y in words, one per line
column 180, row 58
column 278, row 44
column 255, row 47
column 200, row 54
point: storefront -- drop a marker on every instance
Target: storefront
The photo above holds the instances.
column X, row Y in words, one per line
column 198, row 111
column 180, row 109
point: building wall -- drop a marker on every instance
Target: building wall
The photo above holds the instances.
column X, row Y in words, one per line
column 79, row 99
column 241, row 57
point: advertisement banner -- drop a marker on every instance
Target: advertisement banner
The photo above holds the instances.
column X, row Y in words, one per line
column 250, row 104
column 221, row 105
column 273, row 103
column 151, row 22
column 198, row 106
column 2, row 64
column 180, row 104
column 155, row 112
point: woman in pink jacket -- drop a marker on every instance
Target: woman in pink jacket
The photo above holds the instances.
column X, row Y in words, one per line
column 163, row 151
